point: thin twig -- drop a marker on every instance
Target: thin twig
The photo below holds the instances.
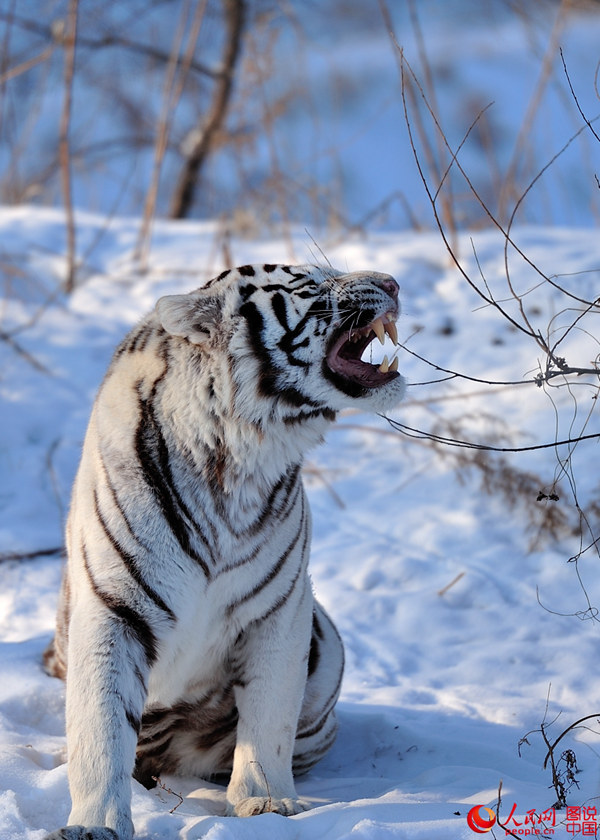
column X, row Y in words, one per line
column 53, row 477
column 168, row 790
column 25, row 354
column 64, row 144
column 452, row 583
column 169, row 103
column 509, row 833
column 6, row 556
column 465, row 444
column 269, row 806
column 524, row 134
column 111, row 40
column 25, row 66
column 566, row 731
column 583, row 116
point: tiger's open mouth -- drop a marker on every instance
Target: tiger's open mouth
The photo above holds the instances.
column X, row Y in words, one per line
column 344, row 356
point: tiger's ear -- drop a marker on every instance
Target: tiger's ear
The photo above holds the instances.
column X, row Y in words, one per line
column 193, row 316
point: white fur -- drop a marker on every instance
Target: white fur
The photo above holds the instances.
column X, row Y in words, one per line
column 155, row 611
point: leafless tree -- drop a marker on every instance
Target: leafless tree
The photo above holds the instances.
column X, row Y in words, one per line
column 197, row 144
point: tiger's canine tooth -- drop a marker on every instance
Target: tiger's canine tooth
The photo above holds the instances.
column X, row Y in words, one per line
column 390, row 328
column 379, row 330
column 394, row 365
column 384, row 366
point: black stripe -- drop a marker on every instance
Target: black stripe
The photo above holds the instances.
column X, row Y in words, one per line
column 212, row 735
column 318, row 726
column 303, row 416
column 256, row 325
column 304, row 761
column 140, row 338
column 314, row 654
column 308, row 292
column 273, row 572
column 289, row 342
column 152, row 743
column 132, row 620
column 153, row 457
column 272, row 510
column 145, row 753
column 130, row 562
column 279, row 308
column 247, row 291
column 329, row 705
column 289, row 269
column 141, row 679
column 155, row 715
column 270, row 374
column 292, row 289
column 115, row 497
column 279, row 602
column 204, row 720
column 289, row 496
column 133, row 720
column 283, row 598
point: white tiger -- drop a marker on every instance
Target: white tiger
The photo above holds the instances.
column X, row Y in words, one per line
column 187, row 628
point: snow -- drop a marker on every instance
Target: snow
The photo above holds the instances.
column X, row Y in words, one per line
column 464, row 624
column 451, row 659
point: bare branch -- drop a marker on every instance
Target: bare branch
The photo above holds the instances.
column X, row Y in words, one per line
column 465, row 444
column 183, row 195
column 25, row 354
column 508, row 832
column 166, row 789
column 171, row 95
column 583, row 116
column 486, row 297
column 24, row 66
column 64, row 145
column 112, row 40
column 565, row 732
column 7, row 556
column 532, row 108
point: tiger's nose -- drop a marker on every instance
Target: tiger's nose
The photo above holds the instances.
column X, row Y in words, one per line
column 383, row 281
column 387, row 283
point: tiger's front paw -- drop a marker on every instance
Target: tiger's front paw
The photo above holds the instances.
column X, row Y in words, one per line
column 266, row 805
column 80, row 832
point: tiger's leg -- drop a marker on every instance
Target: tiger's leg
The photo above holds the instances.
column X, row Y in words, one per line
column 269, row 698
column 106, row 677
column 317, row 725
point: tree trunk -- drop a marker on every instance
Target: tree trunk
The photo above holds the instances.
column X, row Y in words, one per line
column 185, row 189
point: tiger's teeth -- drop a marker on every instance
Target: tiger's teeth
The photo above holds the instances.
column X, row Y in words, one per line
column 390, row 328
column 379, row 330
column 394, row 365
column 385, row 365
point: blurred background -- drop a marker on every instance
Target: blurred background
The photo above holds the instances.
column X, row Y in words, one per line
column 265, row 113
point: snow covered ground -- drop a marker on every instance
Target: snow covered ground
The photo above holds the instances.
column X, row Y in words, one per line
column 433, row 583
column 464, row 623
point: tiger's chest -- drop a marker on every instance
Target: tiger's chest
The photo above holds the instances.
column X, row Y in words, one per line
column 254, row 566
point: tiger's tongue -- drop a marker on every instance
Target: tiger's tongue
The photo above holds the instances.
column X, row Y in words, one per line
column 348, row 362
